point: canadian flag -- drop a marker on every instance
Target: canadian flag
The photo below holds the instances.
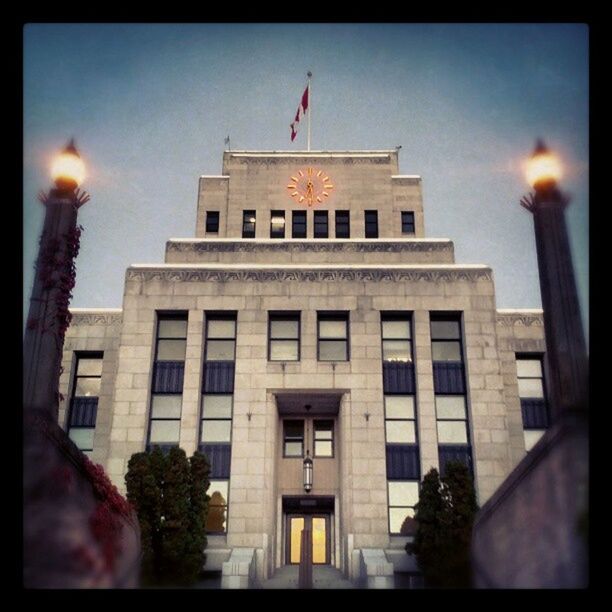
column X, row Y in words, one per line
column 300, row 113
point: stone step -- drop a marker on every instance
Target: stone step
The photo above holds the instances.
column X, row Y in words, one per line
column 323, row 577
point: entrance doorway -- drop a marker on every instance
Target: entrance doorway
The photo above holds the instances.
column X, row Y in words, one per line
column 319, row 524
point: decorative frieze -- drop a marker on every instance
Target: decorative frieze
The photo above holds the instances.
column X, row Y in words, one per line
column 96, row 318
column 242, row 246
column 520, row 318
column 307, row 274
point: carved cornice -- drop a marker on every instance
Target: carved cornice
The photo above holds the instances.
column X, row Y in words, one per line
column 306, row 275
column 96, row 318
column 520, row 318
column 243, row 246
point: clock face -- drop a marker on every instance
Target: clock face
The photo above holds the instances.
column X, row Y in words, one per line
column 310, row 186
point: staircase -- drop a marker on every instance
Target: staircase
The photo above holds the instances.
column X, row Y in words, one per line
column 323, row 577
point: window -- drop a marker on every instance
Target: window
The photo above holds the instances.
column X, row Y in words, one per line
column 403, row 496
column 321, row 229
column 343, row 224
column 396, row 339
column 284, row 337
column 277, row 224
column 333, row 337
column 298, row 225
column 293, row 432
column 400, row 427
column 248, row 223
column 533, row 400
column 450, row 390
column 323, row 438
column 168, row 374
column 212, row 222
column 217, row 410
column 84, row 401
column 216, row 521
column 407, row 222
column 371, row 224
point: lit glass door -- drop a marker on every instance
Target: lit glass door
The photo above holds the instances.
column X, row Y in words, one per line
column 319, row 525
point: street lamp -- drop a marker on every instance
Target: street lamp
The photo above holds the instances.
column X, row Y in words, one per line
column 308, row 469
column 48, row 316
column 565, row 342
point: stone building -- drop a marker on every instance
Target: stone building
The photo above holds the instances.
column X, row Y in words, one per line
column 309, row 317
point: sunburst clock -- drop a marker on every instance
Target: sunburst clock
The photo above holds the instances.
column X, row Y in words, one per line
column 311, row 186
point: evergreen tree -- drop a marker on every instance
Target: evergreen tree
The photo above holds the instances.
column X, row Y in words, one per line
column 144, row 494
column 199, row 483
column 175, row 516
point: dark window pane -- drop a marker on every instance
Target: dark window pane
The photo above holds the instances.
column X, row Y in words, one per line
column 445, row 330
column 221, row 328
column 284, row 350
column 396, row 330
column 320, row 224
column 171, row 350
column 89, row 366
column 343, row 228
column 212, row 221
column 248, row 224
column 407, row 222
column 298, row 229
column 397, row 350
column 294, row 429
column 87, row 387
column 172, row 328
column 446, row 351
column 371, row 224
column 323, row 430
column 333, row 350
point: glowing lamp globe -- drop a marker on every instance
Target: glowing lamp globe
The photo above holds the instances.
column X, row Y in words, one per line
column 543, row 169
column 68, row 169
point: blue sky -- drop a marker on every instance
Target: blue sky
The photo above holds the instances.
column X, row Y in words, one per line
column 151, row 104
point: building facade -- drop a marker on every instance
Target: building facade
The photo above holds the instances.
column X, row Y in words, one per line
column 309, row 317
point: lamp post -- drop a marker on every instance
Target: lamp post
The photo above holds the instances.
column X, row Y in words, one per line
column 48, row 316
column 565, row 342
column 308, row 469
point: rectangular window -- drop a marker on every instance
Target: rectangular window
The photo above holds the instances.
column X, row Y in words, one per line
column 217, row 412
column 293, row 436
column 248, row 223
column 343, row 224
column 323, row 438
column 449, row 390
column 530, row 379
column 333, row 336
column 84, row 401
column 403, row 497
column 321, row 229
column 284, row 337
column 407, row 222
column 298, row 224
column 371, row 224
column 216, row 521
column 396, row 339
column 212, row 221
column 168, row 373
column 277, row 224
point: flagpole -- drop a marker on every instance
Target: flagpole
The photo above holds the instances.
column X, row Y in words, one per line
column 309, row 106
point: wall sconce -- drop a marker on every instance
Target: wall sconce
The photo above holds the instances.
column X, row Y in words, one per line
column 308, row 469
